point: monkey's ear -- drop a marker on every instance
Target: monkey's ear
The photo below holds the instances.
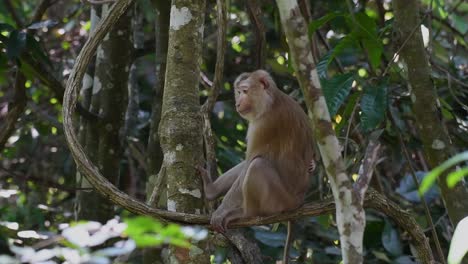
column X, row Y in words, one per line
column 264, row 81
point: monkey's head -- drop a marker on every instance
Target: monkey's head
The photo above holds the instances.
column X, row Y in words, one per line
column 254, row 94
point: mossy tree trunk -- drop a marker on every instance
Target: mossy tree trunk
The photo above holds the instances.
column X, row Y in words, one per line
column 434, row 136
column 181, row 122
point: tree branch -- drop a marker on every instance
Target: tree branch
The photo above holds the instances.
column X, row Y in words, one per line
column 15, row 109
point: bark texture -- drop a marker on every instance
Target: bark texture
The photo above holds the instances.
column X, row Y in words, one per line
column 180, row 127
column 155, row 155
column 350, row 215
column 434, row 136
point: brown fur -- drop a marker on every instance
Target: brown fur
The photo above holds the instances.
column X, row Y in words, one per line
column 275, row 174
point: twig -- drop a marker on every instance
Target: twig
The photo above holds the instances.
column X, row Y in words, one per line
column 45, row 76
column 345, row 152
column 255, row 16
column 41, row 9
column 368, row 165
column 209, row 138
column 442, row 69
column 100, row 2
column 15, row 108
column 9, row 6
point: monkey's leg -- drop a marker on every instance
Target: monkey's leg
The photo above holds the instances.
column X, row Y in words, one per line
column 219, row 187
column 263, row 191
column 230, row 208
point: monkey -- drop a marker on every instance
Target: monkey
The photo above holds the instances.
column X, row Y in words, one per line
column 279, row 158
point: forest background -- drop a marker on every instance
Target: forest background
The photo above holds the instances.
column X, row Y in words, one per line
column 394, row 73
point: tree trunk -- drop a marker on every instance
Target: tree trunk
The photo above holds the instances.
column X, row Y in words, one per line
column 434, row 136
column 155, row 156
column 350, row 215
column 109, row 101
column 181, row 123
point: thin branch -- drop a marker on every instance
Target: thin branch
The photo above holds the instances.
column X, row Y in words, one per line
column 9, row 6
column 368, row 164
column 47, row 78
column 442, row 69
column 255, row 16
column 100, row 2
column 41, row 9
column 15, row 109
column 207, row 108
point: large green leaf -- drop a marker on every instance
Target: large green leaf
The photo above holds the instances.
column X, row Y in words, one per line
column 347, row 42
column 373, row 106
column 336, row 90
column 367, row 32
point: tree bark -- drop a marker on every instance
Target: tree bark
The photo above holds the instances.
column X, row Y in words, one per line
column 181, row 122
column 350, row 215
column 434, row 136
column 155, row 155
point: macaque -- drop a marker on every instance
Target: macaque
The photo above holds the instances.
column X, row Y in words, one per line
column 274, row 176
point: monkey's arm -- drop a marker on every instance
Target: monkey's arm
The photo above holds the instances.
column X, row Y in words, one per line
column 215, row 189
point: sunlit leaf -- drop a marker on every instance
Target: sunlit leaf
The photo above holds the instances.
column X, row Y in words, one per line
column 456, row 176
column 437, row 171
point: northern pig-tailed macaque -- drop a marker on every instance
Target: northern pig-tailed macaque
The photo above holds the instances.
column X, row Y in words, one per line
column 274, row 176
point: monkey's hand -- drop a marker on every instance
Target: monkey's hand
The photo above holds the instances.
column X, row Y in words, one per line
column 203, row 173
column 218, row 222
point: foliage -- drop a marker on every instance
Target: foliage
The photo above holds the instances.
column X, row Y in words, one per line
column 92, row 242
column 363, row 83
column 452, row 178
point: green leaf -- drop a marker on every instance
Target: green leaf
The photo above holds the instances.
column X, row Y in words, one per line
column 456, row 176
column 347, row 42
column 316, row 24
column 367, row 32
column 458, row 246
column 336, row 90
column 16, row 44
column 373, row 106
column 322, row 65
column 432, row 176
column 352, row 101
column 459, row 23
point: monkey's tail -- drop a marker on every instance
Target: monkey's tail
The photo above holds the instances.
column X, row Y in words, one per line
column 287, row 244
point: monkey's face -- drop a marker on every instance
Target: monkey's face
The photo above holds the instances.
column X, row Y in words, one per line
column 252, row 98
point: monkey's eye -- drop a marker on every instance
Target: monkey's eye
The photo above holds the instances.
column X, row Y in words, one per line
column 244, row 91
